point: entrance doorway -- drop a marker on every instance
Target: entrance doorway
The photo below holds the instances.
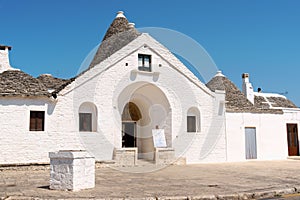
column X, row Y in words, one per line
column 250, row 143
column 143, row 107
column 128, row 134
column 292, row 137
column 130, row 116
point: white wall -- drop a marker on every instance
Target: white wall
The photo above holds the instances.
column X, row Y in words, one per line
column 102, row 85
column 270, row 135
column 18, row 144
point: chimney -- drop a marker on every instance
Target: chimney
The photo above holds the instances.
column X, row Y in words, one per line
column 4, row 58
column 247, row 88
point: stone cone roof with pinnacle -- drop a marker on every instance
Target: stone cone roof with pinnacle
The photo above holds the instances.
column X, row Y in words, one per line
column 236, row 101
column 118, row 35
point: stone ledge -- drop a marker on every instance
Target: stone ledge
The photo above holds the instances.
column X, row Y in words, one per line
column 105, row 163
column 24, row 164
column 25, row 167
column 293, row 158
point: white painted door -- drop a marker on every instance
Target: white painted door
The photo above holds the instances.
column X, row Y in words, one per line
column 250, row 143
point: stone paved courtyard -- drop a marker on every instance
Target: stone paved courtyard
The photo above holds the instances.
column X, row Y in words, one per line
column 180, row 181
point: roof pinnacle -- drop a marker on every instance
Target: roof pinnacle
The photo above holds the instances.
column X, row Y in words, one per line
column 120, row 14
column 219, row 73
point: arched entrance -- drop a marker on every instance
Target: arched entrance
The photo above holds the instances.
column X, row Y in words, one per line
column 144, row 107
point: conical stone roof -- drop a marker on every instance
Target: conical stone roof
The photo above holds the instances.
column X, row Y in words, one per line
column 118, row 35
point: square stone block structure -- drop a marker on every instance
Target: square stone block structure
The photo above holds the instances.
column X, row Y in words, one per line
column 164, row 156
column 71, row 170
column 126, row 156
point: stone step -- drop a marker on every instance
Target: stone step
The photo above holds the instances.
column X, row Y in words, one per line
column 143, row 162
column 294, row 158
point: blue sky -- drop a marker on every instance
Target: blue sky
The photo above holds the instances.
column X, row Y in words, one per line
column 261, row 37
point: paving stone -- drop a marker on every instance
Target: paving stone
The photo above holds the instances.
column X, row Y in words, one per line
column 204, row 197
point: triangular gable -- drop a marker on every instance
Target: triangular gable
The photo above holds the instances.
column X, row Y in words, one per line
column 133, row 46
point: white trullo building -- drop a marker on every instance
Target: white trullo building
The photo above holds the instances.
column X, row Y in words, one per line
column 138, row 101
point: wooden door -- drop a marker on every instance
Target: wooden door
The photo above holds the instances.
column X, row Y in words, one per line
column 292, row 137
column 250, row 143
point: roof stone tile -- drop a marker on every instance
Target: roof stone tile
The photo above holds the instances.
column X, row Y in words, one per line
column 18, row 83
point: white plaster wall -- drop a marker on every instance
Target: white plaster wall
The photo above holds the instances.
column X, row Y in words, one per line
column 104, row 83
column 102, row 86
column 18, row 144
column 270, row 135
column 208, row 145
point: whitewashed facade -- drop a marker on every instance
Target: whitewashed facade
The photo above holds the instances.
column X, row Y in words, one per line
column 196, row 120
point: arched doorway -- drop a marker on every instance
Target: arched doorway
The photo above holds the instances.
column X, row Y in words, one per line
column 131, row 114
column 144, row 107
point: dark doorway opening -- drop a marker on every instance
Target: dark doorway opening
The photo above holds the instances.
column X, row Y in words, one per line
column 292, row 137
column 131, row 114
column 128, row 134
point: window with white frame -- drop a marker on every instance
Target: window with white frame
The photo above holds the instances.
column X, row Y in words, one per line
column 144, row 62
column 193, row 120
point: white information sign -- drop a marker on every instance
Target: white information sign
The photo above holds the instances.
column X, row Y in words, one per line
column 159, row 138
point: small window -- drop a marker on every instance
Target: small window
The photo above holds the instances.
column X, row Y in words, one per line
column 37, row 120
column 193, row 120
column 85, row 122
column 191, row 123
column 144, row 62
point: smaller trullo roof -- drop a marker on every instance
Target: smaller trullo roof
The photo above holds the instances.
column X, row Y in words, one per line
column 19, row 83
column 236, row 101
column 53, row 83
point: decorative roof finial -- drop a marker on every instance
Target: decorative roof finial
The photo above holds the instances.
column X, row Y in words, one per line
column 120, row 14
column 131, row 25
column 219, row 73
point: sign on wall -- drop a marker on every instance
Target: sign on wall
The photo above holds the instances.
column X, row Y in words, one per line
column 159, row 138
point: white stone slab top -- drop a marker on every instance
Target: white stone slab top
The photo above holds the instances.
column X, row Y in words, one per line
column 164, row 149
column 127, row 149
column 70, row 154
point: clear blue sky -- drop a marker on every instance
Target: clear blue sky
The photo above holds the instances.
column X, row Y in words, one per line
column 261, row 37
